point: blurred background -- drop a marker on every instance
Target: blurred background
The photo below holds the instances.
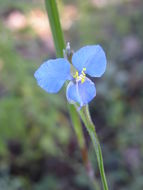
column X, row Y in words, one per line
column 38, row 147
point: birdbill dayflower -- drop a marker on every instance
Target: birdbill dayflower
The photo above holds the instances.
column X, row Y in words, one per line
column 89, row 60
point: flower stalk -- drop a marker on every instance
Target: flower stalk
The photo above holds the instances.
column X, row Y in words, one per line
column 82, row 145
column 86, row 118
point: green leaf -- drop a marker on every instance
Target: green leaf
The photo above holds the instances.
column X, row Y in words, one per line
column 55, row 26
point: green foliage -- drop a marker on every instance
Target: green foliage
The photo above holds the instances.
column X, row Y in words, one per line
column 24, row 107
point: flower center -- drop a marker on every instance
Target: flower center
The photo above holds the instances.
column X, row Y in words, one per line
column 80, row 77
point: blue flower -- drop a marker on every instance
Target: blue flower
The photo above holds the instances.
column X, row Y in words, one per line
column 89, row 60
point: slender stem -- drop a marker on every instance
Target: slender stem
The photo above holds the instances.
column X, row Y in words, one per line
column 82, row 145
column 85, row 115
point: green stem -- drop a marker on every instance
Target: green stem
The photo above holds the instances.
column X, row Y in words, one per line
column 82, row 145
column 85, row 115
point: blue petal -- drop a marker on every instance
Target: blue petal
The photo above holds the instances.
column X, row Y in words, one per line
column 92, row 58
column 81, row 93
column 72, row 93
column 52, row 74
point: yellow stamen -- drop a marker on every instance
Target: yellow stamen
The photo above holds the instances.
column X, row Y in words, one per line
column 83, row 72
column 83, row 79
column 76, row 75
column 80, row 77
